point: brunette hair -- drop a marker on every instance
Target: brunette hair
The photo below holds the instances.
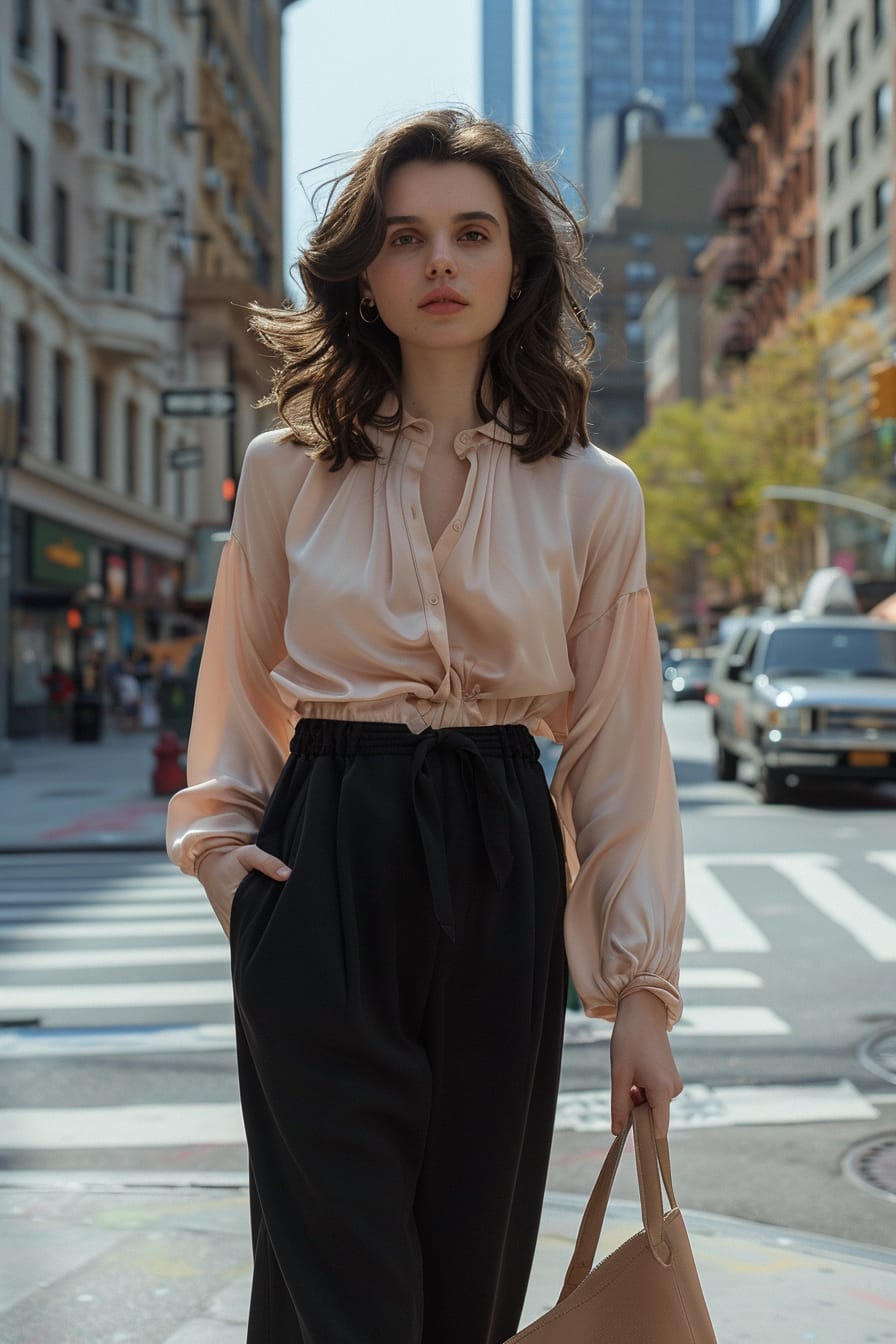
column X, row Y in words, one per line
column 336, row 369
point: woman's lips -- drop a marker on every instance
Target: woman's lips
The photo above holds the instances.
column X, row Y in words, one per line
column 443, row 306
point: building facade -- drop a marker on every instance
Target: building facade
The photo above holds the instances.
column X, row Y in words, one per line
column 659, row 224
column 854, row 78
column 120, row 261
column 498, row 60
column 599, row 67
column 767, row 264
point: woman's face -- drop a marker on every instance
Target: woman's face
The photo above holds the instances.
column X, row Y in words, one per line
column 443, row 275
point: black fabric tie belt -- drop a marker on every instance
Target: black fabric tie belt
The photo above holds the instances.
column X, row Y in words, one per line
column 491, row 809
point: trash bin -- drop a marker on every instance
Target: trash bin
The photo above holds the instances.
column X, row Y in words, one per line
column 87, row 717
column 175, row 701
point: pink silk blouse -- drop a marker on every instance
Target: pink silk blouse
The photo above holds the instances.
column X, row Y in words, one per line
column 531, row 608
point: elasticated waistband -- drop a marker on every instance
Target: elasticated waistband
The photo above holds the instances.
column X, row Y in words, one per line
column 348, row 737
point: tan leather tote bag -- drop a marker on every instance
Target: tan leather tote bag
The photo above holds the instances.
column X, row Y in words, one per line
column 647, row 1291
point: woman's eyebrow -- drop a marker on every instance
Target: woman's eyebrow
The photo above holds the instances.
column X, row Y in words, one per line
column 465, row 216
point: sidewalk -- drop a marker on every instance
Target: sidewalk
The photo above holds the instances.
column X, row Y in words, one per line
column 91, row 795
column 108, row 1264
column 103, row 1259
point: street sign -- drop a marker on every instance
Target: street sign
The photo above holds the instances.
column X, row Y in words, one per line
column 189, row 455
column 199, row 401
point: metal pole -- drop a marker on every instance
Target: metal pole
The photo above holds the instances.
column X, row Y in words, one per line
column 231, row 422
column 8, row 439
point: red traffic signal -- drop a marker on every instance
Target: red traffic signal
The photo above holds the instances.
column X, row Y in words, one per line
column 228, row 489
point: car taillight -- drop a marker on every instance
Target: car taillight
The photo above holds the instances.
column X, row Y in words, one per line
column 711, row 698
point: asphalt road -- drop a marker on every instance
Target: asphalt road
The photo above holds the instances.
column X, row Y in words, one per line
column 117, row 976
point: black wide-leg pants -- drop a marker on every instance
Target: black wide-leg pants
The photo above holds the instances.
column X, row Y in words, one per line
column 399, row 1015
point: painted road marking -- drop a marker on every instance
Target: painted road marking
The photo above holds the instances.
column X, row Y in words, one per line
column 174, row 1126
column 715, row 977
column 720, row 919
column 702, row 1020
column 843, row 905
column 704, row 1107
column 157, row 994
column 82, row 912
column 59, row 1042
column 150, row 928
column 97, row 958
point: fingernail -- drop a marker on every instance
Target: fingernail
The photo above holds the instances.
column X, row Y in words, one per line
column 282, row 872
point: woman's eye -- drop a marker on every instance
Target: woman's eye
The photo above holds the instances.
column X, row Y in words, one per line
column 476, row 235
column 400, row 239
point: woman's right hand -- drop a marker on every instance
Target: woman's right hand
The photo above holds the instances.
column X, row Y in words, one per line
column 222, row 870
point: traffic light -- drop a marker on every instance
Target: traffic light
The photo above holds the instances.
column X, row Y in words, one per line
column 228, row 489
column 882, row 404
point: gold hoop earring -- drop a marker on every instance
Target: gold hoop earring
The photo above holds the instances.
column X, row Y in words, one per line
column 370, row 305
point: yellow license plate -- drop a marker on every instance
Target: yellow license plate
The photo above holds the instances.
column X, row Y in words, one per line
column 869, row 758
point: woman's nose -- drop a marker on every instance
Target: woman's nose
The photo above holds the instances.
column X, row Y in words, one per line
column 441, row 262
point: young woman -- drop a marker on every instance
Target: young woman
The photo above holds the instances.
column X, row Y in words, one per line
column 428, row 566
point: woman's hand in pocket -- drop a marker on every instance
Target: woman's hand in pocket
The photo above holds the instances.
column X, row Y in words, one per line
column 222, row 870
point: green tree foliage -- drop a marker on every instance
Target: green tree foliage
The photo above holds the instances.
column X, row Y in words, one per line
column 704, row 466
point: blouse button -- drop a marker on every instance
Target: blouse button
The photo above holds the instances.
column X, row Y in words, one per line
column 433, row 600
column 465, row 438
column 457, row 524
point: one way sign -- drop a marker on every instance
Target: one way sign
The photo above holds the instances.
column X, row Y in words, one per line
column 207, row 401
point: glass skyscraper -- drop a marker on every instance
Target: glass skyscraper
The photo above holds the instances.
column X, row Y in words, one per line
column 592, row 59
column 497, row 60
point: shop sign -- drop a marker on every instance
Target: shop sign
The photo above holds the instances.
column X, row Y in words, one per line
column 59, row 555
column 139, row 574
column 116, row 577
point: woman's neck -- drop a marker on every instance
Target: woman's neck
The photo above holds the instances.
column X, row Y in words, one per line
column 440, row 386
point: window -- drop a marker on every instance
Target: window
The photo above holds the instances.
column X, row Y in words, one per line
column 98, row 398
column 61, row 416
column 25, row 191
column 24, row 383
column 119, row 261
column 883, row 196
column 641, row 242
column 855, row 226
column 180, row 99
column 832, row 249
column 118, row 114
column 60, row 64
column 640, row 271
column 882, row 110
column 829, row 6
column 261, row 161
column 634, row 304
column 852, row 47
column 60, row 229
column 832, row 78
column 634, row 333
column 158, row 462
column 24, row 31
column 131, row 432
column 877, row 20
column 832, row 165
column 854, row 131
column 259, row 41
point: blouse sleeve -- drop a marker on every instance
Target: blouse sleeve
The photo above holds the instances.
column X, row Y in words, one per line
column 614, row 787
column 241, row 727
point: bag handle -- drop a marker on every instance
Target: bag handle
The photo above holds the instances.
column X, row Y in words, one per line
column 652, row 1160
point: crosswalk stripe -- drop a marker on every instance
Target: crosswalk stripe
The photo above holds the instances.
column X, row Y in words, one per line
column 827, row 891
column 730, row 1020
column 99, row 957
column 710, row 977
column 151, row 1126
column 155, row 994
column 35, row 914
column 148, row 928
column 884, row 858
column 720, row 919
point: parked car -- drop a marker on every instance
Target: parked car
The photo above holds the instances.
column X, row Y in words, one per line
column 806, row 699
column 687, row 679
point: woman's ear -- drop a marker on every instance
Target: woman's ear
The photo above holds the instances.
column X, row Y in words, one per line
column 364, row 286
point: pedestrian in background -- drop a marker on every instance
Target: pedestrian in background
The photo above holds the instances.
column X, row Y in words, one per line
column 428, row 563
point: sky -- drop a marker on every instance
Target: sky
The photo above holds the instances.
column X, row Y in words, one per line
column 350, row 67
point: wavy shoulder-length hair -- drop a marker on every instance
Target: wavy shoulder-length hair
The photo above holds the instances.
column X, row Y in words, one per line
column 337, row 369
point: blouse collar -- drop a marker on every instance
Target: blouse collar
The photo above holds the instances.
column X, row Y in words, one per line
column 417, row 429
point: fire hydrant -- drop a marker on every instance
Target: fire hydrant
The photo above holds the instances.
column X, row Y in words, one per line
column 170, row 773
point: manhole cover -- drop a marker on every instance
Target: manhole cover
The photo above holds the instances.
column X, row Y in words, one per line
column 879, row 1054
column 872, row 1165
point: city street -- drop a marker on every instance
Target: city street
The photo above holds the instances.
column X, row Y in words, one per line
column 122, row 1161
